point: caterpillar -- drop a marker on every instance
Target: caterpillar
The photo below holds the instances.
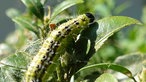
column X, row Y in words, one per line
column 53, row 42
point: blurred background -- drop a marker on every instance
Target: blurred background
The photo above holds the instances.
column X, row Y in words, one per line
column 7, row 25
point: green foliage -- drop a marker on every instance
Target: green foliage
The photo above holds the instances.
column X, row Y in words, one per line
column 100, row 53
column 64, row 5
column 35, row 7
column 109, row 66
column 25, row 23
column 106, row 77
column 112, row 25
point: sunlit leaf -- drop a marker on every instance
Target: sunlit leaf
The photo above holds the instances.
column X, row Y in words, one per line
column 109, row 25
column 106, row 77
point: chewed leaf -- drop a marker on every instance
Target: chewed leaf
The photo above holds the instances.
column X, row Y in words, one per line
column 109, row 25
column 35, row 7
column 64, row 5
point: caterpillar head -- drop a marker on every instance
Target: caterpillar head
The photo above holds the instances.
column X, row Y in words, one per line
column 90, row 16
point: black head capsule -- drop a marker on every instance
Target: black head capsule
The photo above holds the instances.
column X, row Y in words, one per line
column 90, row 16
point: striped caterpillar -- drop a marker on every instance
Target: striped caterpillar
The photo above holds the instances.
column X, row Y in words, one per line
column 53, row 42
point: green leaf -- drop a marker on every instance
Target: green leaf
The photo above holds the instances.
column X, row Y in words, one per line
column 35, row 7
column 106, row 77
column 109, row 25
column 98, row 33
column 108, row 66
column 64, row 5
column 25, row 23
column 8, row 74
column 133, row 62
column 18, row 60
column 101, row 30
column 33, row 47
column 11, row 68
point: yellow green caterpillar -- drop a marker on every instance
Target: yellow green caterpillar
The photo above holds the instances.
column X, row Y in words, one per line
column 42, row 60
